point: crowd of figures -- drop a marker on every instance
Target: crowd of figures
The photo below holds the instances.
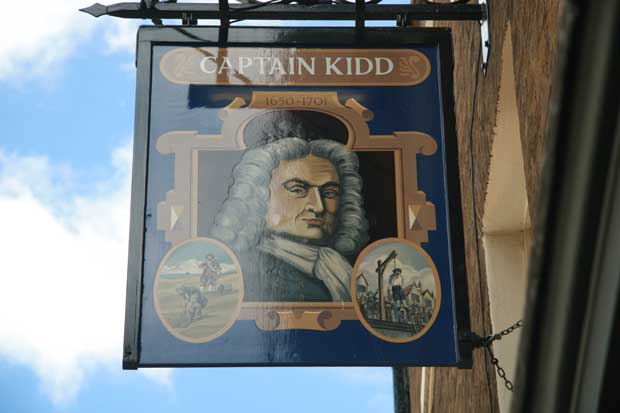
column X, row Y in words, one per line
column 415, row 309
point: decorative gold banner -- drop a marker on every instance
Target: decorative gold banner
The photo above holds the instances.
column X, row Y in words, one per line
column 293, row 66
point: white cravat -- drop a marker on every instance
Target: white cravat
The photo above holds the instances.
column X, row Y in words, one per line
column 324, row 263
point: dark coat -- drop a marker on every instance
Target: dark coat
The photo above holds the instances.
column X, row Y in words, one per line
column 266, row 278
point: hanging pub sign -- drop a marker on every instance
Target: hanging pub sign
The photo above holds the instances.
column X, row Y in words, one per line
column 295, row 200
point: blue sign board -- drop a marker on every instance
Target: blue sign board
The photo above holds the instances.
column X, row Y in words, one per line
column 295, row 200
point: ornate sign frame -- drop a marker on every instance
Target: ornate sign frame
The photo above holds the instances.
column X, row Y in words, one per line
column 176, row 216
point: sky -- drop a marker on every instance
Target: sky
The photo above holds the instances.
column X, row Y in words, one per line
column 67, row 84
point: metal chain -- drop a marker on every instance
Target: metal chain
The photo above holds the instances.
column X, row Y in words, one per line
column 486, row 343
column 500, row 371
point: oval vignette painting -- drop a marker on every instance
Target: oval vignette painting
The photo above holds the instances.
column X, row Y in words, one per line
column 198, row 290
column 396, row 289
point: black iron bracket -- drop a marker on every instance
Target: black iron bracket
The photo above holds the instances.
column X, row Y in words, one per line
column 360, row 18
column 359, row 11
column 315, row 11
column 224, row 13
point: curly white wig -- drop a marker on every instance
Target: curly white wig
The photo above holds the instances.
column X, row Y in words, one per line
column 240, row 222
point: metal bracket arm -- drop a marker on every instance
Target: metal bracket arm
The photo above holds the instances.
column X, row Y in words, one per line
column 464, row 12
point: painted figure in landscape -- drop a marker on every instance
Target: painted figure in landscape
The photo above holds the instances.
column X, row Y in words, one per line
column 211, row 271
column 294, row 216
column 194, row 301
column 396, row 289
column 198, row 290
column 396, row 282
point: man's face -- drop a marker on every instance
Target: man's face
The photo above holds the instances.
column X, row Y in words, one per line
column 305, row 194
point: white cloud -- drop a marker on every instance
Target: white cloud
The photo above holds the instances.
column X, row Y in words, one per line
column 38, row 46
column 121, row 36
column 161, row 376
column 51, row 31
column 63, row 271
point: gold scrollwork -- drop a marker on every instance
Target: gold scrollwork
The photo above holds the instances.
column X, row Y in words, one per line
column 307, row 316
column 177, row 215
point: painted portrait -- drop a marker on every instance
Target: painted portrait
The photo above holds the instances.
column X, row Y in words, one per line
column 294, row 212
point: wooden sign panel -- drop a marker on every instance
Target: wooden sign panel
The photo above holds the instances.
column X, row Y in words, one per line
column 295, row 200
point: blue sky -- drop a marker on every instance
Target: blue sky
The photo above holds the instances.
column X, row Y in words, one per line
column 66, row 109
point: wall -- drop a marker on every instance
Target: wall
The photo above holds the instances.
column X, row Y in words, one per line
column 533, row 27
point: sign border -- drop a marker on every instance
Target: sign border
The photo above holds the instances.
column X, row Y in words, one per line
column 329, row 37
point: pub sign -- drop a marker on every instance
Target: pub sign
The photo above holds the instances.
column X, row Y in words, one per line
column 295, row 200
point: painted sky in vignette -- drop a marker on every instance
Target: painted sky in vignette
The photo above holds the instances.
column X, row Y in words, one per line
column 67, row 113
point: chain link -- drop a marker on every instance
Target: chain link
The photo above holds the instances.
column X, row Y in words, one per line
column 500, row 371
column 486, row 343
